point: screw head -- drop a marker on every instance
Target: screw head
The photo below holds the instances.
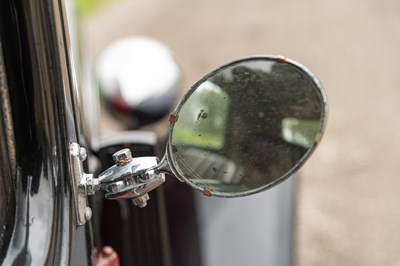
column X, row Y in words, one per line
column 88, row 213
column 82, row 153
column 141, row 201
column 122, row 157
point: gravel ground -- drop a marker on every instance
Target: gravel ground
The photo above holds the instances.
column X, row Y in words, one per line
column 349, row 190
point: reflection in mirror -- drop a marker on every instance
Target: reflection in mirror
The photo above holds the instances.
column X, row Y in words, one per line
column 246, row 126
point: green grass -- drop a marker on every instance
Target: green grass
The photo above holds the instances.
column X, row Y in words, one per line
column 87, row 7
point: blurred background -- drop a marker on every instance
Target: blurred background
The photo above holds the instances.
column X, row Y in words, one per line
column 347, row 204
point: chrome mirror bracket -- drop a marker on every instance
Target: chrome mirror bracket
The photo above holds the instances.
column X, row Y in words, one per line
column 80, row 181
column 129, row 178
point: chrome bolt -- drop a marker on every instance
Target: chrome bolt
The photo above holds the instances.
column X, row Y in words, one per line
column 141, row 201
column 88, row 213
column 122, row 157
column 82, row 154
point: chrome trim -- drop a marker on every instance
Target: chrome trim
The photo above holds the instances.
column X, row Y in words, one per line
column 81, row 183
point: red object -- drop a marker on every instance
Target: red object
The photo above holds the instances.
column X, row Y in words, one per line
column 106, row 257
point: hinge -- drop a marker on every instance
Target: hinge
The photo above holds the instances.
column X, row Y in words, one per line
column 83, row 212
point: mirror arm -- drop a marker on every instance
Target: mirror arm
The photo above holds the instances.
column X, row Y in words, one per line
column 164, row 166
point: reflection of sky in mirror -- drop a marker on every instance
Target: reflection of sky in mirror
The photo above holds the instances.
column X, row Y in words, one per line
column 263, row 65
column 209, row 86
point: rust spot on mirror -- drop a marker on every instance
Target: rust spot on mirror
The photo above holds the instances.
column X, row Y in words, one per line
column 173, row 118
column 207, row 192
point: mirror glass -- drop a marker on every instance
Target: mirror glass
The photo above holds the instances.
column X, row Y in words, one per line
column 246, row 126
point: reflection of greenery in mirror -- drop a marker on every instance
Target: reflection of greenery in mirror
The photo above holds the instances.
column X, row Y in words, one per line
column 247, row 126
column 202, row 118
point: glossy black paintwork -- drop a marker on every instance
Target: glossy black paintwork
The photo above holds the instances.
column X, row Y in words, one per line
column 7, row 186
column 46, row 118
column 43, row 102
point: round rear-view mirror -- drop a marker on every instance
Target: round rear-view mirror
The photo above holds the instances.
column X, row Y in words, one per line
column 246, row 126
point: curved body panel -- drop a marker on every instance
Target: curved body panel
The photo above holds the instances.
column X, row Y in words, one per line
column 44, row 104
